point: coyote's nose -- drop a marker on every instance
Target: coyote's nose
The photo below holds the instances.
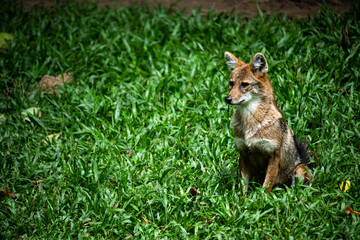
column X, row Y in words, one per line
column 228, row 99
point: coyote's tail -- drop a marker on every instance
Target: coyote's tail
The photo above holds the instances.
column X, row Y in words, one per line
column 301, row 147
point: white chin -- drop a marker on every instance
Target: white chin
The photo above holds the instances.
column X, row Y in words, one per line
column 241, row 101
column 249, row 106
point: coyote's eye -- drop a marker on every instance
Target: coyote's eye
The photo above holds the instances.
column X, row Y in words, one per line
column 244, row 84
column 231, row 84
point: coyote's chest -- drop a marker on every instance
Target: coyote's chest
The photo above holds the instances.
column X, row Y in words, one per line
column 253, row 145
column 253, row 135
column 247, row 137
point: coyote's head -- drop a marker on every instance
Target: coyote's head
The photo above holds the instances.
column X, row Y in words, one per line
column 248, row 82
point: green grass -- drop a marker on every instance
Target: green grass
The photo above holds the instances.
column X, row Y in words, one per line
column 145, row 122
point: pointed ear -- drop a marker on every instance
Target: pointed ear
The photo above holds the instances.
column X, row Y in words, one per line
column 259, row 65
column 232, row 61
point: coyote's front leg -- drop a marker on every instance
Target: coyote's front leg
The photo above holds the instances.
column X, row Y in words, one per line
column 244, row 173
column 271, row 172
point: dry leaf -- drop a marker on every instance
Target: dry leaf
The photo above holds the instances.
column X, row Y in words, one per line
column 345, row 40
column 8, row 94
column 129, row 154
column 2, row 118
column 349, row 210
column 22, row 237
column 32, row 111
column 4, row 37
column 47, row 83
column 51, row 137
column 87, row 222
column 37, row 184
column 345, row 187
column 194, row 192
column 6, row 193
column 147, row 222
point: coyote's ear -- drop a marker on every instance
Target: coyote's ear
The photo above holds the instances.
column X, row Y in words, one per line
column 232, row 61
column 259, row 65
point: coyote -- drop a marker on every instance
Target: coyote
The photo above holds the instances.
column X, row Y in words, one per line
column 269, row 151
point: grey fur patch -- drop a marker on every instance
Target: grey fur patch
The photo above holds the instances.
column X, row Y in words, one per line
column 259, row 63
column 239, row 143
column 264, row 145
column 231, row 61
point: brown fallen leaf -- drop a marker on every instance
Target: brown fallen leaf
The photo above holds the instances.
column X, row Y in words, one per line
column 8, row 94
column 47, row 83
column 345, row 40
column 6, row 193
column 194, row 192
column 147, row 222
column 2, row 118
column 349, row 210
column 37, row 184
column 129, row 154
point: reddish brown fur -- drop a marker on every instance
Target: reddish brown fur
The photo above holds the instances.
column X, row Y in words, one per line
column 303, row 171
column 268, row 151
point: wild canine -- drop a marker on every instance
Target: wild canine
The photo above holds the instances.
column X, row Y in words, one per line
column 269, row 151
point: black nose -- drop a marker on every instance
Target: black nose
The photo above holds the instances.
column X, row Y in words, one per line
column 228, row 99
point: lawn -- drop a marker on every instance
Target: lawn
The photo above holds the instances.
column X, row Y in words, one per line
column 145, row 148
